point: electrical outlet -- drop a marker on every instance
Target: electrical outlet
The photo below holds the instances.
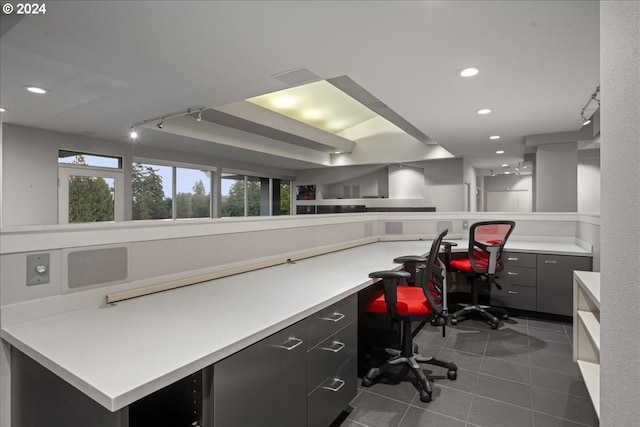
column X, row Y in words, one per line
column 37, row 269
column 465, row 224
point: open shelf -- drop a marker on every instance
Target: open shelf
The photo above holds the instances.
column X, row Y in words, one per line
column 586, row 336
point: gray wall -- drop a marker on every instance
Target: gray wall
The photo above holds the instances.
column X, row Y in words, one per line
column 557, row 177
column 444, row 184
column 620, row 227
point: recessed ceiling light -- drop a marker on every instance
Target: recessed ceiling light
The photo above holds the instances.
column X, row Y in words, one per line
column 337, row 152
column 500, row 152
column 494, row 137
column 133, row 134
column 3, row 110
column 469, row 72
column 504, row 165
column 35, row 89
column 484, row 111
column 507, row 173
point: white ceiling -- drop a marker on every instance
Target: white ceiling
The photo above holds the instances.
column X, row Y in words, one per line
column 110, row 64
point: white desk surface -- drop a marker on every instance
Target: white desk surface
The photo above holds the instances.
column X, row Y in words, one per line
column 119, row 354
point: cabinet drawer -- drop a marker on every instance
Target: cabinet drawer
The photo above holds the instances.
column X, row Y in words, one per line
column 517, row 259
column 330, row 354
column 522, row 276
column 512, row 296
column 333, row 396
column 326, row 322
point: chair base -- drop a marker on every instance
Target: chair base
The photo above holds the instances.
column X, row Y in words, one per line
column 413, row 362
column 481, row 310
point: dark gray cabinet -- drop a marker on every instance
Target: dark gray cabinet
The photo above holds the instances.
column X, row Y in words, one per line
column 555, row 282
column 264, row 384
column 331, row 361
column 538, row 282
column 518, row 281
column 304, row 375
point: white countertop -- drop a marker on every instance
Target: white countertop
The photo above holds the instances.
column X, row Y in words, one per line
column 119, row 354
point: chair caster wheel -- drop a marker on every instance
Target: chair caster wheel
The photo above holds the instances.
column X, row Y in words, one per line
column 454, row 321
column 425, row 396
column 366, row 382
column 494, row 325
column 415, row 349
column 452, row 375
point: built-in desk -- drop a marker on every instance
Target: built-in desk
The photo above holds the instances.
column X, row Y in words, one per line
column 118, row 354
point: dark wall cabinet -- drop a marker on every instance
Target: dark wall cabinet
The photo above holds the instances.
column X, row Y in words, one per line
column 538, row 282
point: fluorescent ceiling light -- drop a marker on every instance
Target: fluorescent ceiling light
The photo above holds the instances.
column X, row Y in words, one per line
column 319, row 104
column 500, row 152
column 504, row 165
column 494, row 137
column 469, row 72
column 35, row 89
column 483, row 111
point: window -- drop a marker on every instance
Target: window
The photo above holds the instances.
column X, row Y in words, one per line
column 193, row 197
column 232, row 192
column 90, row 188
column 170, row 192
column 152, row 190
column 254, row 196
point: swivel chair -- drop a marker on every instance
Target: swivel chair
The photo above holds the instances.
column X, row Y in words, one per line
column 405, row 304
column 483, row 261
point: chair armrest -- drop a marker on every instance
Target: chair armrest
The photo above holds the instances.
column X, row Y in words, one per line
column 410, row 258
column 447, row 253
column 389, row 274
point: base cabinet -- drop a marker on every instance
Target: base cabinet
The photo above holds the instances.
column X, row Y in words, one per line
column 264, row 384
column 538, row 282
column 555, row 282
column 304, row 375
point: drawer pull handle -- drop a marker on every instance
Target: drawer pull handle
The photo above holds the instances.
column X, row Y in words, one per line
column 512, row 258
column 297, row 342
column 512, row 292
column 335, row 317
column 511, row 273
column 335, row 389
column 550, row 261
column 336, row 346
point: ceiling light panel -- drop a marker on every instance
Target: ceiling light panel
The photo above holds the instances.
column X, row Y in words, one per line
column 469, row 72
column 319, row 104
column 484, row 111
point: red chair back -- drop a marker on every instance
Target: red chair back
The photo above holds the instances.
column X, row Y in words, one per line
column 484, row 235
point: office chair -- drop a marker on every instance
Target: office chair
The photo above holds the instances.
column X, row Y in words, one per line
column 483, row 261
column 405, row 304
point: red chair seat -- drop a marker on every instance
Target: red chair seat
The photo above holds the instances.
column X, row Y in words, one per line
column 411, row 302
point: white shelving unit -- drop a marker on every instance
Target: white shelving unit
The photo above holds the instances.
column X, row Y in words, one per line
column 586, row 336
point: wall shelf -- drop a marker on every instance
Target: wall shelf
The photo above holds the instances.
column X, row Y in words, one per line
column 586, row 337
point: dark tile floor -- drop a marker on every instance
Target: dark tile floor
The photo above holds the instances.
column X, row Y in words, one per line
column 521, row 374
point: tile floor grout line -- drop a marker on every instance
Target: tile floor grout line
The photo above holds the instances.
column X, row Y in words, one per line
column 406, row 411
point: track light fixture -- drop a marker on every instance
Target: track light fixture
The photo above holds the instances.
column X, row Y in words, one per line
column 159, row 120
column 593, row 98
column 492, row 173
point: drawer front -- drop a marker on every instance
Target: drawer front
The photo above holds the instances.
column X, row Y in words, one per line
column 333, row 396
column 330, row 354
column 521, row 276
column 326, row 322
column 512, row 296
column 517, row 259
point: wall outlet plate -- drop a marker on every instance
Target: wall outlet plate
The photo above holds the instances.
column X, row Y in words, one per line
column 465, row 224
column 37, row 269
